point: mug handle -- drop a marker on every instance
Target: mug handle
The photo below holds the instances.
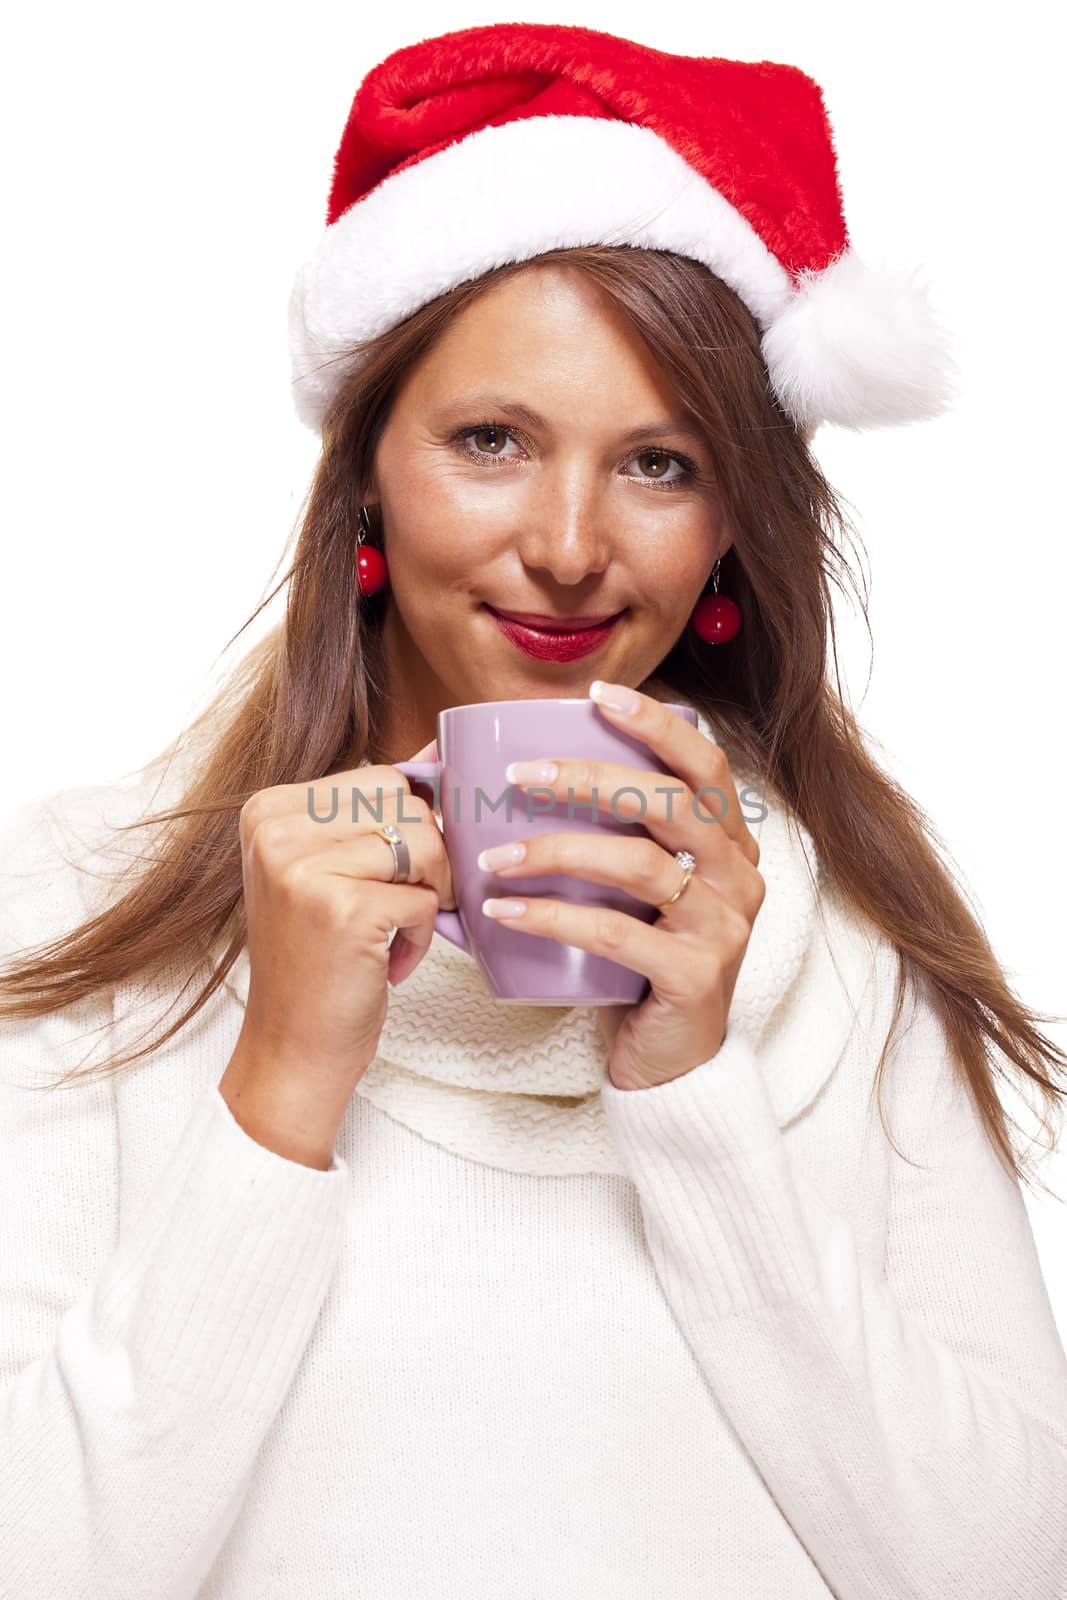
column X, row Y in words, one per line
column 447, row 923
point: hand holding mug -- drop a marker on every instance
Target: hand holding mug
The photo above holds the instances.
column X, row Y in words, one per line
column 478, row 809
column 692, row 954
column 320, row 906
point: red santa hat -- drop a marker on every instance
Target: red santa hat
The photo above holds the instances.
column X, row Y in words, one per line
column 493, row 144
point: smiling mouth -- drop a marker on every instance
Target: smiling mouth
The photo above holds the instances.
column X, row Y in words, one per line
column 542, row 623
column 561, row 642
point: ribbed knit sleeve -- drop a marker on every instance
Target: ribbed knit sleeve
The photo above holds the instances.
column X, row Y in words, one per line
column 907, row 1408
column 138, row 1376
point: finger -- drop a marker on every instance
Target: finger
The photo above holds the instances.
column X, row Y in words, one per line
column 661, row 803
column 281, row 841
column 338, row 821
column 699, row 761
column 634, row 863
column 359, row 794
column 428, row 859
column 411, row 943
column 410, row 910
column 382, row 795
column 674, row 964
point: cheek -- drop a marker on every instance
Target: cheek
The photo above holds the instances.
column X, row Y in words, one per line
column 432, row 545
column 436, row 488
column 671, row 562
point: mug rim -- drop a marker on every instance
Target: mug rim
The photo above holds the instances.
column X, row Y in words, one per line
column 547, row 700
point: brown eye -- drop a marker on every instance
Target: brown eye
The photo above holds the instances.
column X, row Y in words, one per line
column 489, row 433
column 659, row 457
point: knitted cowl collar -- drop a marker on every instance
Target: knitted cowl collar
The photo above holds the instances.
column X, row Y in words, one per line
column 518, row 1087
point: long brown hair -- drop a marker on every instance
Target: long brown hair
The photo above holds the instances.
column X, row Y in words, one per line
column 306, row 701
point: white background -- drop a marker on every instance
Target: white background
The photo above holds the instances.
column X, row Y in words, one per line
column 166, row 173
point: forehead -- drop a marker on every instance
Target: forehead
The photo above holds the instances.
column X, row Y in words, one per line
column 545, row 328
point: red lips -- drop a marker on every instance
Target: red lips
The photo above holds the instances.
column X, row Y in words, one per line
column 540, row 619
column 567, row 639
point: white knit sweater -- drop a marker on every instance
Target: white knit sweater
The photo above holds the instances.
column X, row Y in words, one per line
column 767, row 1358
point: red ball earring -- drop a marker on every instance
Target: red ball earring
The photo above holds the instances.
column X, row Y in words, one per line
column 372, row 572
column 716, row 618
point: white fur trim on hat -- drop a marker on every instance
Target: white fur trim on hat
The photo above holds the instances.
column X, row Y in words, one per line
column 849, row 345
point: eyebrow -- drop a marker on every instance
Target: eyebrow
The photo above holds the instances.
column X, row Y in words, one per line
column 534, row 419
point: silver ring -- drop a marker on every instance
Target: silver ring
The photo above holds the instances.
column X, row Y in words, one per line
column 687, row 861
column 401, row 854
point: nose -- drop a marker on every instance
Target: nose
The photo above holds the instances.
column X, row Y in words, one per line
column 566, row 535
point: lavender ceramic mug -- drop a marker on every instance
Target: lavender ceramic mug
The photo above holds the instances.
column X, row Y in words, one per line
column 478, row 808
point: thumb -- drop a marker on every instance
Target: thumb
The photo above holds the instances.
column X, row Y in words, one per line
column 427, row 753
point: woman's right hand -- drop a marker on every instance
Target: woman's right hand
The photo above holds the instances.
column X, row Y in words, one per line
column 319, row 908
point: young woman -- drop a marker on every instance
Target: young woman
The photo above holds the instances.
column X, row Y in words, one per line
column 332, row 1276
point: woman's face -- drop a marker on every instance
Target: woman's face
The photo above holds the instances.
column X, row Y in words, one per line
column 600, row 503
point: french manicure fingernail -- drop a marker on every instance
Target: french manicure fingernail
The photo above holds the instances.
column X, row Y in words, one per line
column 615, row 696
column 531, row 772
column 503, row 908
column 501, row 855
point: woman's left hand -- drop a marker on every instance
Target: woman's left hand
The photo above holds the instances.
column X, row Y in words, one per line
column 692, row 953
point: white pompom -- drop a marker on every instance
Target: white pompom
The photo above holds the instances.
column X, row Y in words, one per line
column 859, row 347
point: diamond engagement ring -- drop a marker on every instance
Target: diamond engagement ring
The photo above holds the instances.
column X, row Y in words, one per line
column 687, row 861
column 401, row 855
